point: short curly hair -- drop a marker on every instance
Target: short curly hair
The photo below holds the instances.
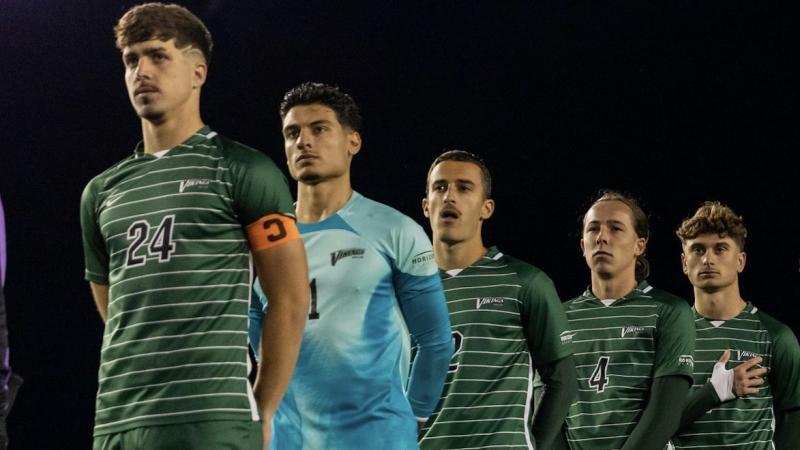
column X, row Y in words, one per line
column 163, row 22
column 308, row 93
column 714, row 218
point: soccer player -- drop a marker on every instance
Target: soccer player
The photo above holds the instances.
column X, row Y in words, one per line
column 169, row 234
column 768, row 416
column 633, row 343
column 507, row 321
column 372, row 278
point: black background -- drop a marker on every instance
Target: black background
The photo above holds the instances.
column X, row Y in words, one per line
column 676, row 102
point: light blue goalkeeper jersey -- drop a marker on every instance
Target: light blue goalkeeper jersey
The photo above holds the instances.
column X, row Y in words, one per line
column 373, row 280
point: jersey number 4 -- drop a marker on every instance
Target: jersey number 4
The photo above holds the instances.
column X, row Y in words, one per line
column 599, row 378
column 161, row 245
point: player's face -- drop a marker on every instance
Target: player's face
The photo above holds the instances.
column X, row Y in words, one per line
column 711, row 262
column 162, row 79
column 318, row 147
column 455, row 203
column 609, row 243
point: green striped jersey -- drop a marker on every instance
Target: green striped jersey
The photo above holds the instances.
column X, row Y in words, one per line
column 618, row 351
column 503, row 312
column 166, row 234
column 747, row 422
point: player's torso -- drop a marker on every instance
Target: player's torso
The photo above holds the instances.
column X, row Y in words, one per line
column 179, row 286
column 614, row 352
column 487, row 393
column 347, row 387
column 744, row 423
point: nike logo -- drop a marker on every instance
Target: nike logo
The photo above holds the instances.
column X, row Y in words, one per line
column 114, row 198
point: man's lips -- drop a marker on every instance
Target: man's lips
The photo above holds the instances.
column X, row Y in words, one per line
column 708, row 272
column 145, row 90
column 304, row 157
column 601, row 253
column 450, row 214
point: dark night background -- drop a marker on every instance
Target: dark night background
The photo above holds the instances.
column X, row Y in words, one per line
column 676, row 102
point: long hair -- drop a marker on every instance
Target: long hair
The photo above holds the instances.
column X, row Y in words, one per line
column 641, row 226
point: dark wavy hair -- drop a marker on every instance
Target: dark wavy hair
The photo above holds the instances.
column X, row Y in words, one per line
column 308, row 93
column 641, row 225
column 714, row 218
column 464, row 156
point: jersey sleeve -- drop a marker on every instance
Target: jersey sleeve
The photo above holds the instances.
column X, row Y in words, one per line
column 422, row 303
column 674, row 339
column 259, row 187
column 95, row 252
column 258, row 302
column 543, row 318
column 784, row 376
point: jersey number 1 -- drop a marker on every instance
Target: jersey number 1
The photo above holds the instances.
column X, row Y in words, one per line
column 599, row 378
column 313, row 314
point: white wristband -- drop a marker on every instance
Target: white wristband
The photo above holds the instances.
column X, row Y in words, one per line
column 722, row 380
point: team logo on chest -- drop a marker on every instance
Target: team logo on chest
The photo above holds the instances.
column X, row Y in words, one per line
column 742, row 355
column 483, row 302
column 634, row 331
column 346, row 253
column 186, row 184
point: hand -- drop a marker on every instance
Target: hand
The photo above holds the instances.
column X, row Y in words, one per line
column 747, row 379
column 737, row 382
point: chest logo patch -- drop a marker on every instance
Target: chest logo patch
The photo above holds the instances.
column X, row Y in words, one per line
column 634, row 331
column 483, row 302
column 346, row 253
column 186, row 184
column 742, row 355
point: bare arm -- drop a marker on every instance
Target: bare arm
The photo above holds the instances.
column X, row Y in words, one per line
column 283, row 274
column 100, row 294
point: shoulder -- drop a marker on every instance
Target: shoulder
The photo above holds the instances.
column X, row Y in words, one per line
column 104, row 180
column 777, row 330
column 575, row 301
column 237, row 153
column 667, row 300
column 528, row 273
column 378, row 221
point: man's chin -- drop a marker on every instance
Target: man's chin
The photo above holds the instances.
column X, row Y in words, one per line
column 151, row 115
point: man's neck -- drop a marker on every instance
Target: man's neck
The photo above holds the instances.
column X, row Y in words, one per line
column 317, row 202
column 168, row 133
column 457, row 255
column 612, row 288
column 724, row 304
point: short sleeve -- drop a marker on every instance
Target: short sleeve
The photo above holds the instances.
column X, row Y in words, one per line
column 785, row 369
column 259, row 187
column 674, row 339
column 413, row 252
column 543, row 318
column 95, row 251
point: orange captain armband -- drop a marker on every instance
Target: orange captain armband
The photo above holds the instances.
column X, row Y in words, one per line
column 270, row 231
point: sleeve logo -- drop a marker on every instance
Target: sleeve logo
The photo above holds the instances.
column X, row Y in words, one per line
column 686, row 360
column 423, row 257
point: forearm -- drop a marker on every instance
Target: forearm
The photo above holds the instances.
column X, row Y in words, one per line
column 283, row 274
column 698, row 402
column 787, row 430
column 100, row 295
column 281, row 334
column 661, row 416
column 560, row 388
